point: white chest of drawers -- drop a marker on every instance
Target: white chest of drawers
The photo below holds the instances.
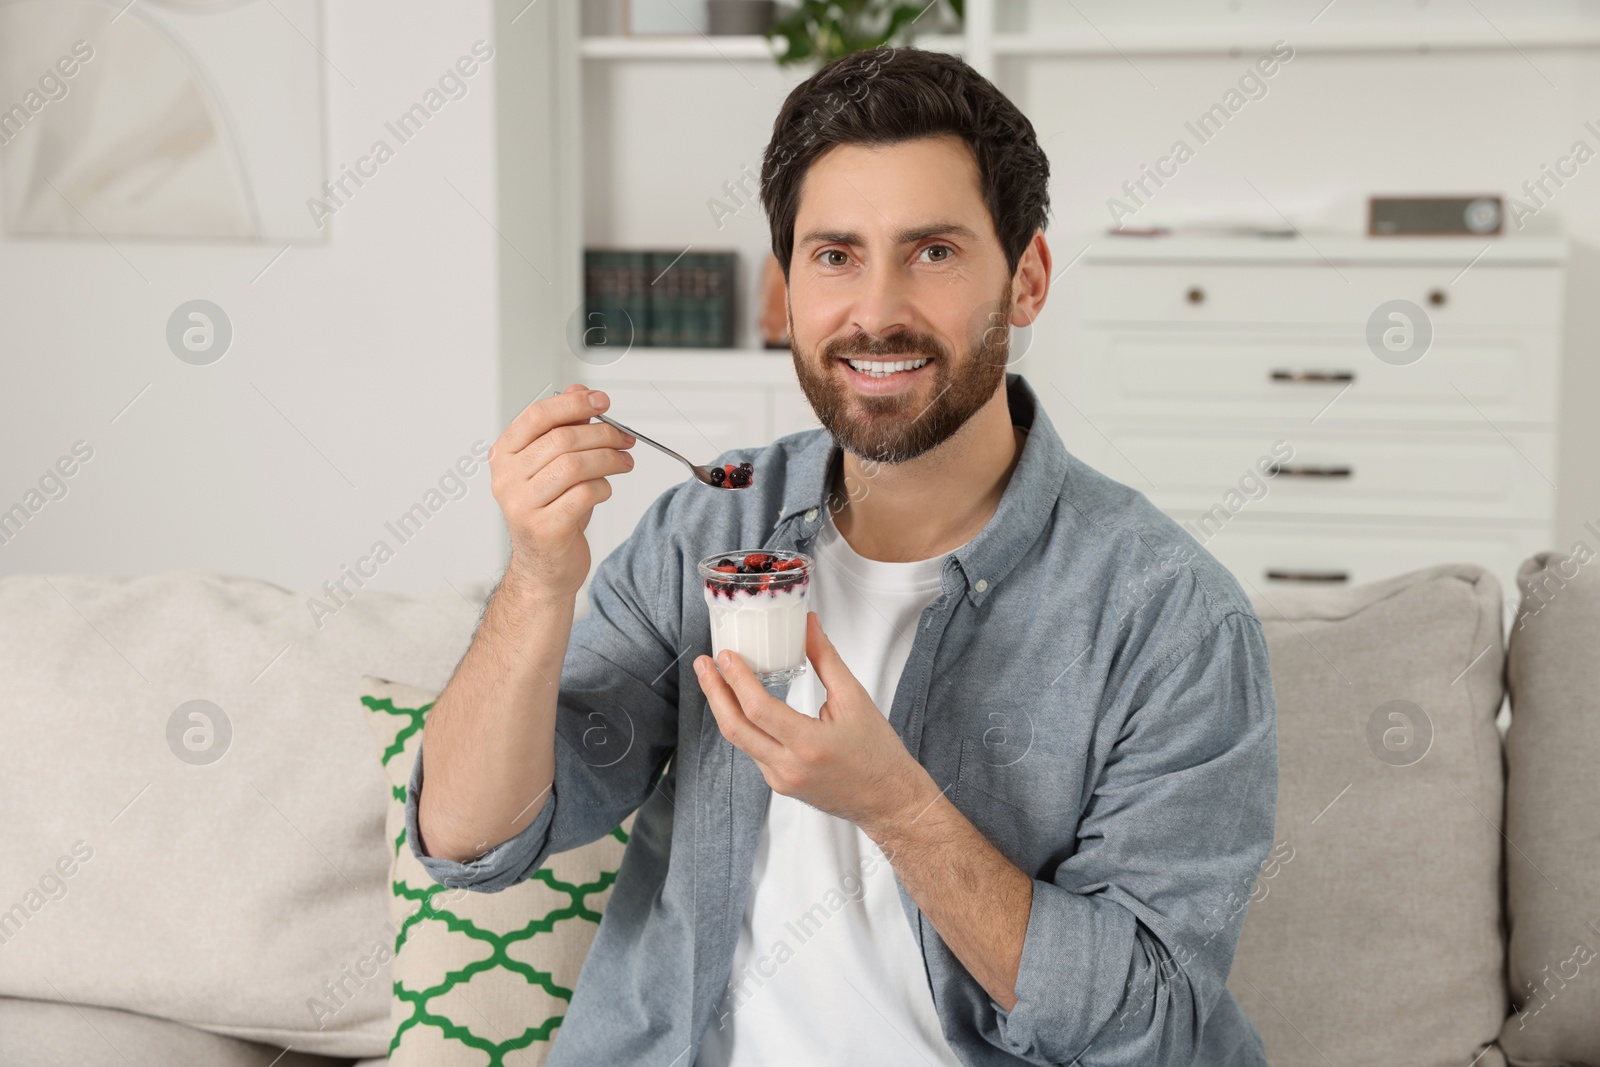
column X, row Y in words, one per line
column 1199, row 363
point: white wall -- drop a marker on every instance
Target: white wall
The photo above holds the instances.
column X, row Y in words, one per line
column 377, row 347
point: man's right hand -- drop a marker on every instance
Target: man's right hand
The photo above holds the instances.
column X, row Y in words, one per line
column 548, row 471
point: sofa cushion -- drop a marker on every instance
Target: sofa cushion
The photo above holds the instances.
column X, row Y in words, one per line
column 225, row 870
column 49, row 1033
column 1553, row 812
column 1374, row 932
column 479, row 976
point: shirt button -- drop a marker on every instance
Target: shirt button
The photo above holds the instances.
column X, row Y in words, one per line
column 811, row 516
column 981, row 584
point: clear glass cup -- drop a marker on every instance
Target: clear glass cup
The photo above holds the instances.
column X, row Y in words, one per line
column 760, row 616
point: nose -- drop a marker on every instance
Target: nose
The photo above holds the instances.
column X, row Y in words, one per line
column 881, row 304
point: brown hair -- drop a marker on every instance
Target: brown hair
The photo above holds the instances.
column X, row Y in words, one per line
column 883, row 96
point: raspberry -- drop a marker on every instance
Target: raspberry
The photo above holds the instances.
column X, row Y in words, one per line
column 758, row 561
column 730, row 569
column 788, row 564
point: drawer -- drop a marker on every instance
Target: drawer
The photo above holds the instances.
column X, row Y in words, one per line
column 1465, row 377
column 1527, row 297
column 1266, row 556
column 1415, row 474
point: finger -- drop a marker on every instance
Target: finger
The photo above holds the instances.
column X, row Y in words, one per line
column 502, row 444
column 577, row 404
column 831, row 670
column 570, row 468
column 771, row 715
column 579, row 501
column 569, row 438
column 736, row 727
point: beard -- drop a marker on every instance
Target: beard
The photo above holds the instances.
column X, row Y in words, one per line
column 899, row 427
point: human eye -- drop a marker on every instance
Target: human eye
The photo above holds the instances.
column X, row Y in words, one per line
column 826, row 252
column 935, row 250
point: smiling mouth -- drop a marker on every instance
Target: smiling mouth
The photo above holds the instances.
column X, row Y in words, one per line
column 874, row 368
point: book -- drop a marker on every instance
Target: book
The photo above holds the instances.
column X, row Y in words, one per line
column 654, row 298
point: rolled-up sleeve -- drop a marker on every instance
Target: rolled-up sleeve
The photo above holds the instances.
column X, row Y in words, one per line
column 1129, row 944
column 616, row 715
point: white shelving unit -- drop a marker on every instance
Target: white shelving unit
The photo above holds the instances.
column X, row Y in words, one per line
column 688, row 47
column 623, row 182
column 983, row 40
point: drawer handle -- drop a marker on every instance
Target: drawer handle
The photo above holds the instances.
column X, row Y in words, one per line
column 1332, row 577
column 1316, row 377
column 1196, row 295
column 1313, row 472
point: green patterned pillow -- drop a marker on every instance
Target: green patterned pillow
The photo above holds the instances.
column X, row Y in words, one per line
column 480, row 979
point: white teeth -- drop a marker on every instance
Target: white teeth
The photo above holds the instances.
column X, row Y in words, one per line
column 881, row 369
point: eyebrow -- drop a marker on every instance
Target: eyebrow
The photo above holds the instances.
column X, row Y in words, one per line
column 907, row 236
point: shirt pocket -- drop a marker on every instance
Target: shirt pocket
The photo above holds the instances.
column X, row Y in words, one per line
column 1023, row 799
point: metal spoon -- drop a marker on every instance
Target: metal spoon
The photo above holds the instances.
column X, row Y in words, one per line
column 696, row 469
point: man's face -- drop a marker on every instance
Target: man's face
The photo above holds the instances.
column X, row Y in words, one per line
column 896, row 261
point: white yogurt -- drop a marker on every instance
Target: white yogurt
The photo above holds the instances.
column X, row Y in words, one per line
column 767, row 629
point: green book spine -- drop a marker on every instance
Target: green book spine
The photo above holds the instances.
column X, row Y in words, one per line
column 601, row 287
column 655, row 296
column 719, row 299
column 704, row 301
column 682, row 326
column 634, row 299
column 692, row 301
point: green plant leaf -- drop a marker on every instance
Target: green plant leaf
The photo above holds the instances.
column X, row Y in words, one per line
column 826, row 30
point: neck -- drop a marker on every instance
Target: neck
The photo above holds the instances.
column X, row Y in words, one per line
column 925, row 507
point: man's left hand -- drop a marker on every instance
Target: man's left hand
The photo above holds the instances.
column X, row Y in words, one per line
column 848, row 761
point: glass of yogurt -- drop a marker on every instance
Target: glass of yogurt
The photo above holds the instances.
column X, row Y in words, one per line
column 757, row 601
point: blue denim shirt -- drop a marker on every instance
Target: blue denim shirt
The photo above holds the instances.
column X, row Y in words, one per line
column 1092, row 688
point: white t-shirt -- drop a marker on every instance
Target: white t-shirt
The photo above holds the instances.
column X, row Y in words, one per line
column 827, row 969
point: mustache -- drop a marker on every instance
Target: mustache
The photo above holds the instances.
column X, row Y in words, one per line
column 896, row 344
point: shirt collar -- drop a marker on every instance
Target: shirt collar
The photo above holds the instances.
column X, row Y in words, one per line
column 1025, row 505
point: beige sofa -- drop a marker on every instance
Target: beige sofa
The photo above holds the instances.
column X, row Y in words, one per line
column 1432, row 896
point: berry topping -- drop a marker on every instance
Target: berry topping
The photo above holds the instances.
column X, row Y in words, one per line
column 717, row 475
column 768, row 575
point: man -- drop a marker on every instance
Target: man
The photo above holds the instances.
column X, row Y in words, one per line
column 1014, row 810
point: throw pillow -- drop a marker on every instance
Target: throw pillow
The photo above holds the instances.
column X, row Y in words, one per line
column 1373, row 933
column 193, row 817
column 480, row 979
column 1552, row 801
